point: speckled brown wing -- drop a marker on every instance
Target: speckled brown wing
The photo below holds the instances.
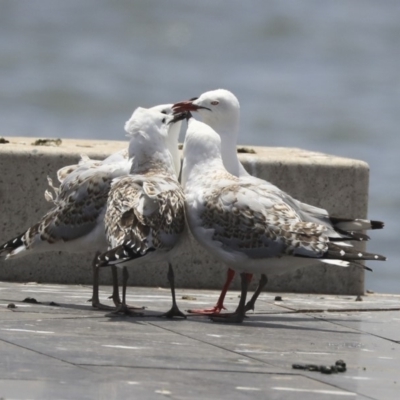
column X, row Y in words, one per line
column 76, row 213
column 258, row 225
column 143, row 212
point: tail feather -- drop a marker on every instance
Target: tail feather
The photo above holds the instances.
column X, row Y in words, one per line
column 349, row 235
column 339, row 255
column 118, row 255
column 12, row 245
column 345, row 264
column 351, row 225
column 349, row 254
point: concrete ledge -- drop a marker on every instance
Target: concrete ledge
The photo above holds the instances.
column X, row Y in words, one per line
column 338, row 184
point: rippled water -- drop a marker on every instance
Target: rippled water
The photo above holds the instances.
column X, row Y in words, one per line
column 319, row 75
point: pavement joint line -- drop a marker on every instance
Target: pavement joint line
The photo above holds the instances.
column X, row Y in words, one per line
column 273, row 365
column 191, row 369
column 214, row 345
column 42, row 354
column 299, row 374
column 358, row 330
column 339, row 310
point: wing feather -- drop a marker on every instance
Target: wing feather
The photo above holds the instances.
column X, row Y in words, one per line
column 144, row 213
column 260, row 224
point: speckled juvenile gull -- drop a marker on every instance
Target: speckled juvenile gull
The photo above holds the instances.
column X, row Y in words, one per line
column 220, row 109
column 75, row 223
column 249, row 224
column 145, row 218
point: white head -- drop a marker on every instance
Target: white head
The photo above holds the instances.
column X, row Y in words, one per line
column 155, row 124
column 163, row 108
column 148, row 130
column 218, row 108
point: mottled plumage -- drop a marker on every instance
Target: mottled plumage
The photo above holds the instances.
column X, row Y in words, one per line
column 144, row 212
column 250, row 224
column 220, row 109
column 145, row 219
column 75, row 223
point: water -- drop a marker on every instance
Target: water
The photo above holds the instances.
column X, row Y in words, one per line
column 311, row 74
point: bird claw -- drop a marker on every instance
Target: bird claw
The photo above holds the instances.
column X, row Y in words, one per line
column 173, row 312
column 207, row 311
column 249, row 307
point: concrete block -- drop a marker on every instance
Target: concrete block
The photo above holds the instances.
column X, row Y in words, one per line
column 338, row 184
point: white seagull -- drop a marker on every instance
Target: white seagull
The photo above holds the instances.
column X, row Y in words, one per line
column 75, row 223
column 145, row 218
column 220, row 109
column 249, row 224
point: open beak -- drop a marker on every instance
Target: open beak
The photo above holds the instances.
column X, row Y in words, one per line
column 179, row 116
column 186, row 106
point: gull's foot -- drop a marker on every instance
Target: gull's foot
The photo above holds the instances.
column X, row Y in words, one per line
column 228, row 318
column 249, row 306
column 173, row 312
column 123, row 309
column 207, row 311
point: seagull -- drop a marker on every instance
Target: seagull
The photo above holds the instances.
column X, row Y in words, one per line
column 220, row 109
column 76, row 221
column 145, row 217
column 251, row 225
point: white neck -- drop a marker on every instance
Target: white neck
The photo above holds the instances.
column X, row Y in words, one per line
column 172, row 143
column 149, row 154
column 158, row 160
column 202, row 152
column 228, row 130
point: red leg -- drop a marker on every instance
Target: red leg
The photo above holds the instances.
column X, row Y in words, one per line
column 220, row 303
column 240, row 314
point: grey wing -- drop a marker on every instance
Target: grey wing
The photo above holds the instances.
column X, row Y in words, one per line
column 77, row 211
column 306, row 212
column 247, row 220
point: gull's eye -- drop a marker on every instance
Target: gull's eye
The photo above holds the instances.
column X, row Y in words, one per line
column 163, row 112
column 215, row 102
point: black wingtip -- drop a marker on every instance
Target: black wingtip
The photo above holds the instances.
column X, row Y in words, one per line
column 120, row 254
column 377, row 224
column 12, row 244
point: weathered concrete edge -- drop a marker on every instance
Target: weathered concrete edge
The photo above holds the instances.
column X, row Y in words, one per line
column 335, row 183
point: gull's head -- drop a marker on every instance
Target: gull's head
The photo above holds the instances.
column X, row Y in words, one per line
column 216, row 107
column 147, row 124
column 163, row 108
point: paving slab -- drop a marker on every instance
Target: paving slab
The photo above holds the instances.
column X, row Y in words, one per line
column 178, row 385
column 71, row 351
column 384, row 324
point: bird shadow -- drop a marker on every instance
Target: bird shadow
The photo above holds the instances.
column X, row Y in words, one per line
column 273, row 322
